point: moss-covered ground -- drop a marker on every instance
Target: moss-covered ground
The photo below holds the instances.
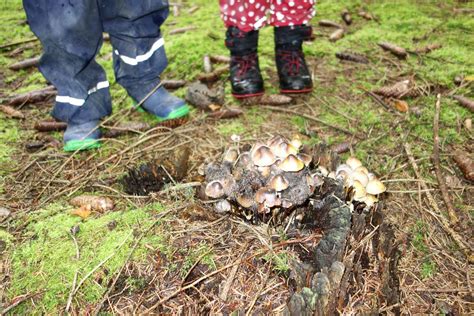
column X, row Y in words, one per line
column 37, row 246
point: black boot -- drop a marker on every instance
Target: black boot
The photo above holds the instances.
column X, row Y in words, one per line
column 292, row 69
column 245, row 74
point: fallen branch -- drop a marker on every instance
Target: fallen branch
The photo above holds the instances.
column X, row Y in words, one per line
column 11, row 112
column 33, row 96
column 464, row 102
column 444, row 223
column 8, row 45
column 312, row 118
column 27, row 63
column 439, row 175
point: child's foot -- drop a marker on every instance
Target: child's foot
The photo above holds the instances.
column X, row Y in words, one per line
column 83, row 136
column 165, row 106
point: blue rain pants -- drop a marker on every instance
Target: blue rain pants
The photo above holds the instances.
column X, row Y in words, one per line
column 71, row 34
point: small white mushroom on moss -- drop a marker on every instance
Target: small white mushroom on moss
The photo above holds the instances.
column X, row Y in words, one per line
column 375, row 187
column 353, row 162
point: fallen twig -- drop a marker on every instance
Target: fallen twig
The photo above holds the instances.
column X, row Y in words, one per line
column 444, row 223
column 182, row 30
column 312, row 118
column 18, row 301
column 233, row 272
column 439, row 175
column 8, row 45
column 27, row 63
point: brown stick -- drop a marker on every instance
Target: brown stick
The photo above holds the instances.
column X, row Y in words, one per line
column 312, row 118
column 19, row 301
column 213, row 76
column 173, row 84
column 182, row 30
column 50, row 126
column 33, row 96
column 441, row 180
column 394, row 49
column 465, row 102
column 27, row 63
column 226, row 114
column 11, row 112
column 18, row 43
column 444, row 223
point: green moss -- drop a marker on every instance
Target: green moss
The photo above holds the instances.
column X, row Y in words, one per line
column 46, row 261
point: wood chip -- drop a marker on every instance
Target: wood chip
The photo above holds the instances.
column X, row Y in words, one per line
column 11, row 112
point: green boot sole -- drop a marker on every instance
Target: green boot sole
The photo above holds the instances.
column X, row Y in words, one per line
column 85, row 144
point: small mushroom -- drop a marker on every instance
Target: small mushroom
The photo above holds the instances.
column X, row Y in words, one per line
column 284, row 149
column 245, row 201
column 344, row 167
column 362, row 169
column 244, row 159
column 359, row 191
column 275, row 140
column 375, row 187
column 371, row 176
column 265, row 171
column 296, row 141
column 291, row 164
column 305, row 158
column 361, row 177
column 214, row 189
column 279, row 183
column 230, row 155
column 324, row 171
column 370, row 200
column 263, row 157
column 223, row 206
column 353, row 162
column 332, row 175
column 267, row 196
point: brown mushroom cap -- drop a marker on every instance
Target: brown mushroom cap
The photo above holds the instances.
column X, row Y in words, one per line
column 275, row 140
column 279, row 183
column 291, row 164
column 267, row 196
column 265, row 171
column 263, row 156
column 305, row 158
column 223, row 206
column 244, row 159
column 214, row 189
column 245, row 201
column 375, row 187
column 230, row 155
column 353, row 162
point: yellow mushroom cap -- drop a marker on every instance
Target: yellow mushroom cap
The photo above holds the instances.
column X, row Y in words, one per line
column 359, row 191
column 231, row 155
column 296, row 141
column 214, row 189
column 353, row 162
column 305, row 158
column 362, row 169
column 284, row 149
column 263, row 156
column 291, row 164
column 375, row 187
column 370, row 200
column 265, row 171
column 279, row 183
column 361, row 177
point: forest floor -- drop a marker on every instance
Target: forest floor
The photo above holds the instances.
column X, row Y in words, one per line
column 133, row 259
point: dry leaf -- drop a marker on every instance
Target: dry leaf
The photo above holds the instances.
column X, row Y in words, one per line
column 83, row 211
column 95, row 203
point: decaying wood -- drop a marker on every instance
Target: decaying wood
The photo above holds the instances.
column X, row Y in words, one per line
column 428, row 48
column 352, row 56
column 207, row 64
column 226, row 113
column 464, row 163
column 329, row 23
column 275, row 99
column 213, row 76
column 126, row 128
column 182, row 30
column 437, row 164
column 398, row 51
column 33, row 96
column 465, row 102
column 27, row 63
column 173, row 84
column 346, row 17
column 95, row 203
column 11, row 112
column 437, row 214
column 336, row 35
column 50, row 126
column 219, row 59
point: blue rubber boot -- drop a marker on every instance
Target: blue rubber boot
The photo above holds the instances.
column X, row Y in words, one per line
column 83, row 136
column 165, row 106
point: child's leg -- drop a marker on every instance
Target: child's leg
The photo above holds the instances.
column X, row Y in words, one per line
column 243, row 19
column 290, row 18
column 71, row 34
column 139, row 54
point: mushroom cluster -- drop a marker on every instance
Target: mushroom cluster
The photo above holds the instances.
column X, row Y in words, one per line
column 269, row 178
column 365, row 186
column 273, row 178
